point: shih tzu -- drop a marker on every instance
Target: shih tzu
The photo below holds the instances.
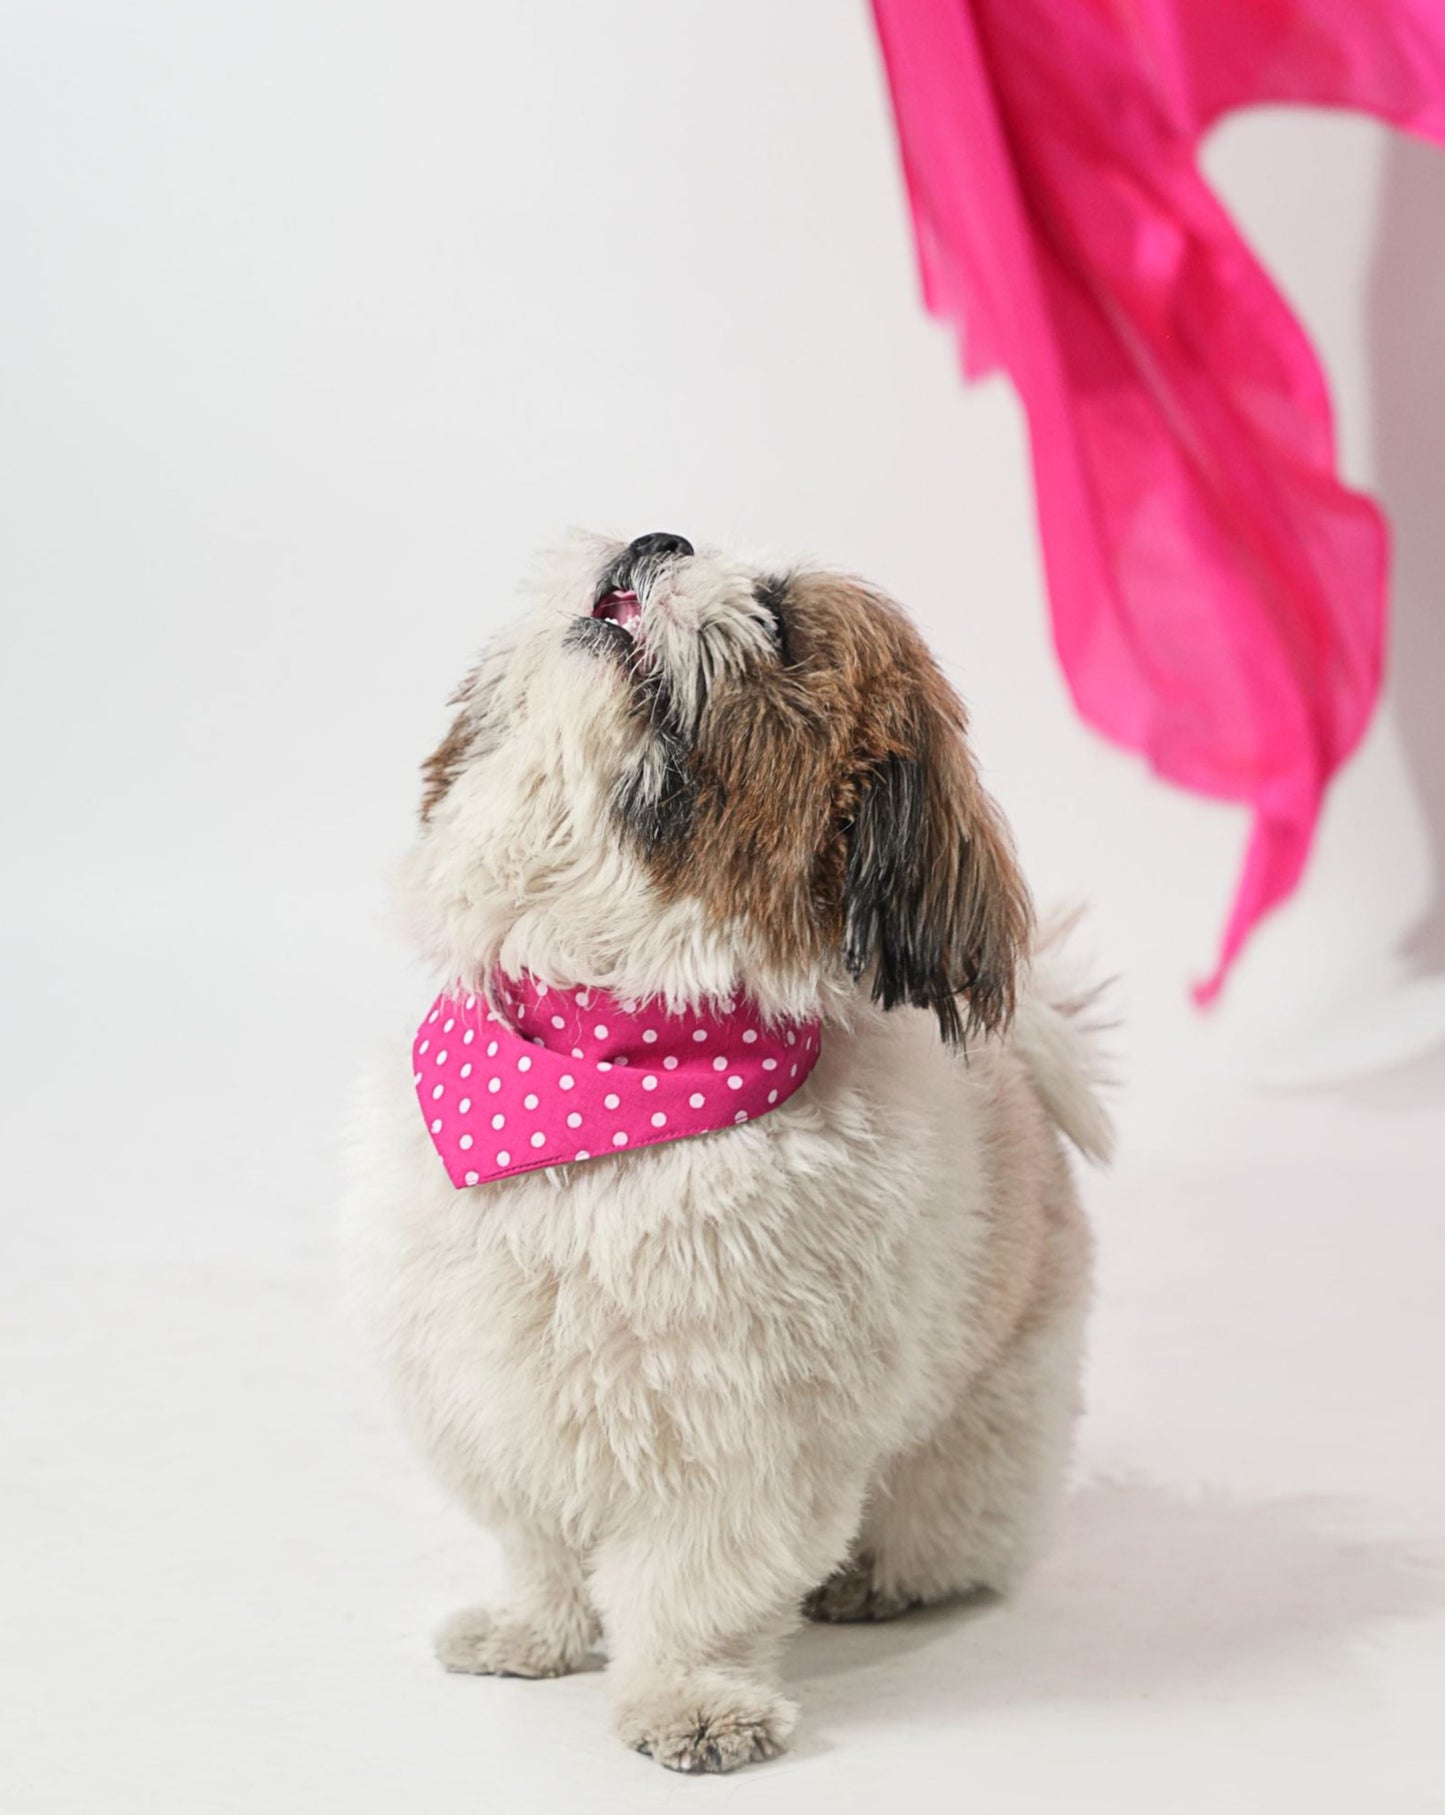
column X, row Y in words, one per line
column 719, row 1234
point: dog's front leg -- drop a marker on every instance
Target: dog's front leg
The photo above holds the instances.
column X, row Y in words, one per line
column 546, row 1627
column 697, row 1601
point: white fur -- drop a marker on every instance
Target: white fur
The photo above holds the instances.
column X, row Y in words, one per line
column 832, row 1352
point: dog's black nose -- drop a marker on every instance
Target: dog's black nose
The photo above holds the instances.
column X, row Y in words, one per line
column 657, row 545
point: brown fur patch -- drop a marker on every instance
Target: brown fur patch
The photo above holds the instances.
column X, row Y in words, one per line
column 447, row 761
column 837, row 806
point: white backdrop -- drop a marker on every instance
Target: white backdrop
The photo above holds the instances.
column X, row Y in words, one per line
column 319, row 319
column 316, row 320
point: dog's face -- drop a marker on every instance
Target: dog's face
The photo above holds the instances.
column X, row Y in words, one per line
column 679, row 776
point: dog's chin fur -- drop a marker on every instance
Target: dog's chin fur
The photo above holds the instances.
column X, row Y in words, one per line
column 827, row 1358
column 522, row 863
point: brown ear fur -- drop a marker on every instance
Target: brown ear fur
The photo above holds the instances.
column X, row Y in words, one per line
column 933, row 901
column 835, row 805
column 469, row 733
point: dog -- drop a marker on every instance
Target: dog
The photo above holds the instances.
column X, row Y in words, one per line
column 818, row 1353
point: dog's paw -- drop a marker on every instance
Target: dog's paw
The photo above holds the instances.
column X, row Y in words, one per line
column 852, row 1594
column 707, row 1723
column 477, row 1642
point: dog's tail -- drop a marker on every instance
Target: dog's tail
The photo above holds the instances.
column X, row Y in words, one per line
column 1058, row 1032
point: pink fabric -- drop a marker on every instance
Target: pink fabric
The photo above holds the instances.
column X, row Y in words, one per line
column 555, row 1076
column 1217, row 593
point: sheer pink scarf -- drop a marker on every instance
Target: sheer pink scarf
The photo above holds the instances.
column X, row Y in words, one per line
column 1217, row 593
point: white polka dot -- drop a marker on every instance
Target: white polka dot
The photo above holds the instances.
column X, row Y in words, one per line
column 465, row 1142
column 611, row 1102
column 699, row 1033
column 649, row 1034
column 529, row 1102
column 436, row 1127
column 772, row 1096
column 659, row 1120
column 433, row 1015
column 574, row 1120
column 792, row 1038
column 697, row 1099
column 542, row 989
column 719, row 1064
column 441, row 1058
column 792, row 1071
column 469, row 1036
column 524, row 1063
column 425, row 1043
column 576, row 1052
column 464, row 1105
column 735, row 1082
column 499, row 1121
column 741, row 1116
column 465, row 1072
column 649, row 1083
column 770, row 1064
column 472, row 1178
column 566, row 1081
column 670, row 1062
column 537, row 1040
column 447, row 1026
column 621, row 1061
column 504, row 1158
column 416, row 1077
column 440, row 1090
column 600, row 1031
column 583, row 998
column 583, row 1155
column 494, row 1084
column 539, row 1139
column 557, row 1021
column 491, row 1049
column 471, row 1002
column 603, row 1065
column 620, row 1138
column 749, row 1035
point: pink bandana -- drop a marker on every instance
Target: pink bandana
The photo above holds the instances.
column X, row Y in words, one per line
column 554, row 1076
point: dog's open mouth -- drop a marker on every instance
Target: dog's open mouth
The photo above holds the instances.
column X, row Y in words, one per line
column 621, row 608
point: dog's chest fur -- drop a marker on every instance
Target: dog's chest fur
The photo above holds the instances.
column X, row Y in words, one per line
column 565, row 1346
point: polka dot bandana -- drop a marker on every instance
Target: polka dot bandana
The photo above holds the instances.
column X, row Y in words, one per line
column 553, row 1076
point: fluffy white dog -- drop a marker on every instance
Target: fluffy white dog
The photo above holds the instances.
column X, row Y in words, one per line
column 823, row 1359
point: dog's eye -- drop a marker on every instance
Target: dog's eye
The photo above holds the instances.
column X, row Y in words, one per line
column 771, row 594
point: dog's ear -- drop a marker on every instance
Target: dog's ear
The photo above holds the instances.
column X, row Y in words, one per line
column 474, row 730
column 934, row 902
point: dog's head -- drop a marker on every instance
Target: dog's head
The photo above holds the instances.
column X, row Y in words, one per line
column 678, row 776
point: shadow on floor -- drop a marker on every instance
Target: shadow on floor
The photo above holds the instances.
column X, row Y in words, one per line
column 1148, row 1594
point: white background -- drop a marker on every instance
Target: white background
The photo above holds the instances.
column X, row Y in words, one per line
column 315, row 321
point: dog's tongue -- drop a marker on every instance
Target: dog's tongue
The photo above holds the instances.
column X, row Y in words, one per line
column 620, row 608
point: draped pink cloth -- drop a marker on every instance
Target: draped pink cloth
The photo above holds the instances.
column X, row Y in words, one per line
column 1217, row 593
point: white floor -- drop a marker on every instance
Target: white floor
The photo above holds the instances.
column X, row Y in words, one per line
column 223, row 1565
